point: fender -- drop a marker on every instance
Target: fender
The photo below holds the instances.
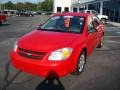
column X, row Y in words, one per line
column 75, row 56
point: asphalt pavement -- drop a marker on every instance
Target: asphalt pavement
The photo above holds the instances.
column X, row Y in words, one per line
column 101, row 71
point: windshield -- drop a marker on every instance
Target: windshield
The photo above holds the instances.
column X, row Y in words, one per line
column 64, row 24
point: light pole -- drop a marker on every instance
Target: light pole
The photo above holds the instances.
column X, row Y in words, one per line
column 24, row 5
column 37, row 5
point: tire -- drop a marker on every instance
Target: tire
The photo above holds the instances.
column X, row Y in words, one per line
column 100, row 45
column 80, row 64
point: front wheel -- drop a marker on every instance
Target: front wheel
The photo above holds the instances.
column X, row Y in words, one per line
column 80, row 64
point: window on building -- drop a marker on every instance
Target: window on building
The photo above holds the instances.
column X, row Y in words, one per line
column 66, row 9
column 74, row 9
column 88, row 11
column 58, row 9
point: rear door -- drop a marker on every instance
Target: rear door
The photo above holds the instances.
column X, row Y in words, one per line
column 91, row 38
column 99, row 27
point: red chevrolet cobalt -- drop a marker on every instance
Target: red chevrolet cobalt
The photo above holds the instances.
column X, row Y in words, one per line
column 60, row 46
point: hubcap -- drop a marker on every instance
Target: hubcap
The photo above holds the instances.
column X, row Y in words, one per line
column 81, row 63
column 102, row 41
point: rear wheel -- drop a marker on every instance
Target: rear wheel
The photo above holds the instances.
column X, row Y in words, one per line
column 101, row 43
column 80, row 64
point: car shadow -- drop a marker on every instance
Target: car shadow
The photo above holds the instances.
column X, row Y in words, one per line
column 50, row 84
column 5, row 24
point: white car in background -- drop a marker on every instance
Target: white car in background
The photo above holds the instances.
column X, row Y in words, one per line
column 103, row 18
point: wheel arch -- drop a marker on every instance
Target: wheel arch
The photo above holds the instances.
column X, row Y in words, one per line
column 79, row 51
column 85, row 50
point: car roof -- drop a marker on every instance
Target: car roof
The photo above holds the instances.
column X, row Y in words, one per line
column 73, row 14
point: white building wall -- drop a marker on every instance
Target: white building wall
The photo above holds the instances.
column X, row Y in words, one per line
column 84, row 1
column 67, row 3
column 62, row 4
column 74, row 1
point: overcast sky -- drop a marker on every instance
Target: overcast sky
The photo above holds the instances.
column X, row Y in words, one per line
column 14, row 1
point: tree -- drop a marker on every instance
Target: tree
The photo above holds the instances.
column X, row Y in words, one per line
column 20, row 6
column 47, row 5
column 9, row 5
column 30, row 6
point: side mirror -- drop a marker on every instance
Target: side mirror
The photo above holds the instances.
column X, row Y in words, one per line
column 40, row 26
column 95, row 25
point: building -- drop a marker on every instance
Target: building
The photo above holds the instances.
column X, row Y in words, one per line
column 111, row 8
column 63, row 5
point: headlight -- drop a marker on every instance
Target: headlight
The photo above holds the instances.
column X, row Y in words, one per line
column 15, row 47
column 60, row 54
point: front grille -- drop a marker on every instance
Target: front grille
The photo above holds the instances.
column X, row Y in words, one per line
column 31, row 54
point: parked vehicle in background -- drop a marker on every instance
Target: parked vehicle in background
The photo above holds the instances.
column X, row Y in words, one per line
column 39, row 12
column 9, row 12
column 3, row 18
column 103, row 18
column 46, row 13
column 34, row 12
column 24, row 13
column 60, row 46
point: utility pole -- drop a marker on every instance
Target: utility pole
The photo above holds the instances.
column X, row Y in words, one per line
column 24, row 5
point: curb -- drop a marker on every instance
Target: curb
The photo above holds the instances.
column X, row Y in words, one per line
column 114, row 24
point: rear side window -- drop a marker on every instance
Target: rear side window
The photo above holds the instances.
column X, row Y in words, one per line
column 94, row 12
column 96, row 21
column 90, row 23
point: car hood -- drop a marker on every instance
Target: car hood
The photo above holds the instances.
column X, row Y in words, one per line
column 39, row 40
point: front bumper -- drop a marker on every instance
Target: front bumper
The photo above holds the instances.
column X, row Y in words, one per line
column 42, row 68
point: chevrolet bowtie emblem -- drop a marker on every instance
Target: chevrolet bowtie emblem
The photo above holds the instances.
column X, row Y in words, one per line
column 29, row 54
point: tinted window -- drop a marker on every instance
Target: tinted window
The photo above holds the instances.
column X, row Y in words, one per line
column 74, row 9
column 64, row 24
column 95, row 13
column 90, row 23
column 58, row 9
column 88, row 11
column 66, row 9
column 96, row 21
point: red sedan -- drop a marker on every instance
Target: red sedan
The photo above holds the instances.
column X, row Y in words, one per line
column 60, row 46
